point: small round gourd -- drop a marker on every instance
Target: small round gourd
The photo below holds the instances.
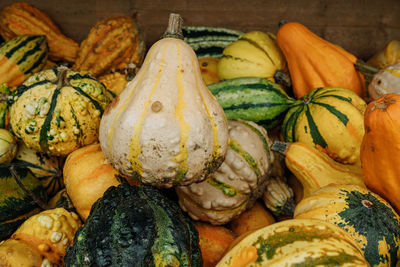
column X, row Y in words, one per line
column 57, row 111
column 165, row 128
column 8, row 146
column 239, row 181
column 278, row 197
column 369, row 219
column 385, row 81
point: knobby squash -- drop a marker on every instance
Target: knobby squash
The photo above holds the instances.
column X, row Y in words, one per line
column 370, row 220
column 296, row 242
column 380, row 163
column 165, row 128
column 240, row 180
column 330, row 119
column 314, row 62
column 57, row 111
column 135, row 226
column 20, row 18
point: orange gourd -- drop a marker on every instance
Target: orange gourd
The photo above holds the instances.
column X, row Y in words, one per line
column 214, row 241
column 314, row 62
column 379, row 152
column 20, row 18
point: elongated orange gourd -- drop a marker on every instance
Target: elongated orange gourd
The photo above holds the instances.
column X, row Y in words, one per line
column 379, row 152
column 21, row 18
column 165, row 128
column 314, row 62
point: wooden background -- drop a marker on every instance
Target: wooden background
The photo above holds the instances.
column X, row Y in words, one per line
column 360, row 26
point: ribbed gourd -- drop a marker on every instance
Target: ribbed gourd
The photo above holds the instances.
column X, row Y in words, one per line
column 21, row 57
column 165, row 128
column 135, row 226
column 330, row 119
column 240, row 180
column 46, row 169
column 297, row 242
column 15, row 204
column 254, row 54
column 278, row 197
column 113, row 43
column 370, row 220
column 57, row 111
column 21, row 18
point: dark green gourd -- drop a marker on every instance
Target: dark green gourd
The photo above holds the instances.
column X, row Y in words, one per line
column 135, row 226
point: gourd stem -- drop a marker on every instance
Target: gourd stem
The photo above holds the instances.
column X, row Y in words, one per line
column 174, row 28
column 281, row 23
column 280, row 147
column 38, row 201
column 367, row 70
column 288, row 208
column 283, row 78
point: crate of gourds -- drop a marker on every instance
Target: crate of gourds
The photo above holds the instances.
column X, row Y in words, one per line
column 214, row 147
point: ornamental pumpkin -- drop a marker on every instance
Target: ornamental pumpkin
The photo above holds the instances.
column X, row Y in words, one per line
column 314, row 169
column 20, row 18
column 113, row 43
column 330, row 119
column 16, row 205
column 87, row 175
column 45, row 168
column 387, row 56
column 385, row 81
column 296, row 242
column 379, row 160
column 57, row 111
column 21, row 57
column 165, row 128
column 314, row 62
column 254, row 54
column 49, row 233
column 240, row 180
column 370, row 220
column 135, row 226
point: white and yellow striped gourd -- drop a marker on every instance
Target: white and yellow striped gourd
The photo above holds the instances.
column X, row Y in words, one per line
column 165, row 128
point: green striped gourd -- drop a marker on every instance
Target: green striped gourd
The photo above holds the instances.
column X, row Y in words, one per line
column 165, row 128
column 22, row 56
column 370, row 220
column 252, row 99
column 296, row 242
column 239, row 181
column 58, row 110
column 45, row 168
column 330, row 119
column 135, row 226
column 209, row 41
column 15, row 205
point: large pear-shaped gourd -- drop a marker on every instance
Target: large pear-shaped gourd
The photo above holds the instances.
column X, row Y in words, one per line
column 165, row 128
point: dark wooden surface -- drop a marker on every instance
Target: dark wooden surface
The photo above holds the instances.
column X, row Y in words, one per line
column 360, row 26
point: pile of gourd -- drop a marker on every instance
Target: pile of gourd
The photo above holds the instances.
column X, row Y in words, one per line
column 110, row 156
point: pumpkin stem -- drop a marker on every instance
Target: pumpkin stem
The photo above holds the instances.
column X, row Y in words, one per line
column 281, row 23
column 280, row 147
column 17, row 179
column 174, row 28
column 283, row 78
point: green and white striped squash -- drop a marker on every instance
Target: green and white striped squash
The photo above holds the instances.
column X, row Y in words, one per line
column 370, row 220
column 295, row 242
column 56, row 111
column 165, row 128
column 135, row 226
column 209, row 41
column 330, row 119
column 45, row 168
column 21, row 57
column 253, row 99
column 239, row 181
column 15, row 205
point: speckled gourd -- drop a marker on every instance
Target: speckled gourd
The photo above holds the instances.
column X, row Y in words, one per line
column 57, row 111
column 239, row 181
column 165, row 128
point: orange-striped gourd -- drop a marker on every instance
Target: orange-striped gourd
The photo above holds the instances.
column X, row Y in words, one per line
column 165, row 128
